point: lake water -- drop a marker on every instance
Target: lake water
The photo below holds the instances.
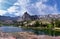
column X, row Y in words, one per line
column 13, row 29
column 38, row 32
column 10, row 29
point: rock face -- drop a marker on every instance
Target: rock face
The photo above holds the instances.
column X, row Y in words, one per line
column 26, row 17
column 34, row 17
column 25, row 35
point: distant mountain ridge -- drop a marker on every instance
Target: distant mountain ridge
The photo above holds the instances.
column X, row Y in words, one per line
column 27, row 16
column 3, row 18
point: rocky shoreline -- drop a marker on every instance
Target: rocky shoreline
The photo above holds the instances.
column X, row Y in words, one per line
column 25, row 35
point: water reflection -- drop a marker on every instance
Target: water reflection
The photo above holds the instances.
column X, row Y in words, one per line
column 10, row 29
column 47, row 32
column 38, row 32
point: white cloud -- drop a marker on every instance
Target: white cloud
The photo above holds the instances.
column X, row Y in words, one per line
column 43, row 0
column 41, row 8
column 12, row 9
column 1, row 1
column 16, row 4
column 22, row 6
column 2, row 12
column 17, row 14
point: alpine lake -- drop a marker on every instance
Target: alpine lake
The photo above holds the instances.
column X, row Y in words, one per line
column 37, row 32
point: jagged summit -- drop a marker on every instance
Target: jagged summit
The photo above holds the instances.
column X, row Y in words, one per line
column 26, row 16
column 26, row 13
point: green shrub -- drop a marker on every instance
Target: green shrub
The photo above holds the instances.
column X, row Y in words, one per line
column 50, row 26
column 57, row 23
column 36, row 24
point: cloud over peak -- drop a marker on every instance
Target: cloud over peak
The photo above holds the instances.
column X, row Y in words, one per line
column 33, row 7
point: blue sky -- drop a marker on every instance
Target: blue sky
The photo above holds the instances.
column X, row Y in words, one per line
column 33, row 7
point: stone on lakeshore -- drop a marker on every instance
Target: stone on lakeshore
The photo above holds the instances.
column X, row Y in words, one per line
column 25, row 35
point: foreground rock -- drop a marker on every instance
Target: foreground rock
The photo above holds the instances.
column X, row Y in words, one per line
column 25, row 35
